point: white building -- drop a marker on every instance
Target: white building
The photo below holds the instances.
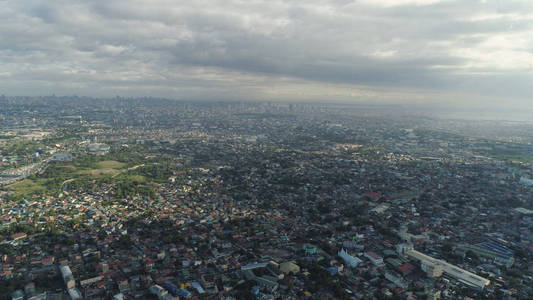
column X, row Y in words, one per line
column 524, row 211
column 348, row 259
column 68, row 278
column 403, row 248
column 158, row 291
column 436, row 267
column 118, row 297
column 74, row 294
column 526, row 181
column 375, row 259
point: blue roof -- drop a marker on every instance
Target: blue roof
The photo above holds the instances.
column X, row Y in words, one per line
column 496, row 247
column 198, row 287
column 254, row 266
column 255, row 290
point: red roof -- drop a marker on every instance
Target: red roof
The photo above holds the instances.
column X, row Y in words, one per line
column 406, row 268
column 49, row 259
column 18, row 235
column 5, row 273
column 376, row 196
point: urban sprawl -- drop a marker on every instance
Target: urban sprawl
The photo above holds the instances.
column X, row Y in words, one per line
column 157, row 199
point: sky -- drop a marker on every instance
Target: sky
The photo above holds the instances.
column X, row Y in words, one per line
column 475, row 52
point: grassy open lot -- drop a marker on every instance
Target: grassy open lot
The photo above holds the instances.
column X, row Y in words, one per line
column 106, row 167
column 27, row 187
column 132, row 177
column 128, row 178
column 100, row 172
column 110, row 164
column 57, row 175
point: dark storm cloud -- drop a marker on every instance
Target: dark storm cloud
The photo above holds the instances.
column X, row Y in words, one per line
column 258, row 49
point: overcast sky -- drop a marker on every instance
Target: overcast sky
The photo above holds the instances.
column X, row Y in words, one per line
column 465, row 51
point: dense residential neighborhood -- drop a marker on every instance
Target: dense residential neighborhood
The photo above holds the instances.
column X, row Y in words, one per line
column 158, row 199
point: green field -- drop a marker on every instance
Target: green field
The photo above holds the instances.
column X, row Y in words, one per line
column 83, row 173
column 132, row 177
column 110, row 164
column 27, row 187
column 106, row 167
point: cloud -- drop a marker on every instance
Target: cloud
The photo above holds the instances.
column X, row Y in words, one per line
column 336, row 49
